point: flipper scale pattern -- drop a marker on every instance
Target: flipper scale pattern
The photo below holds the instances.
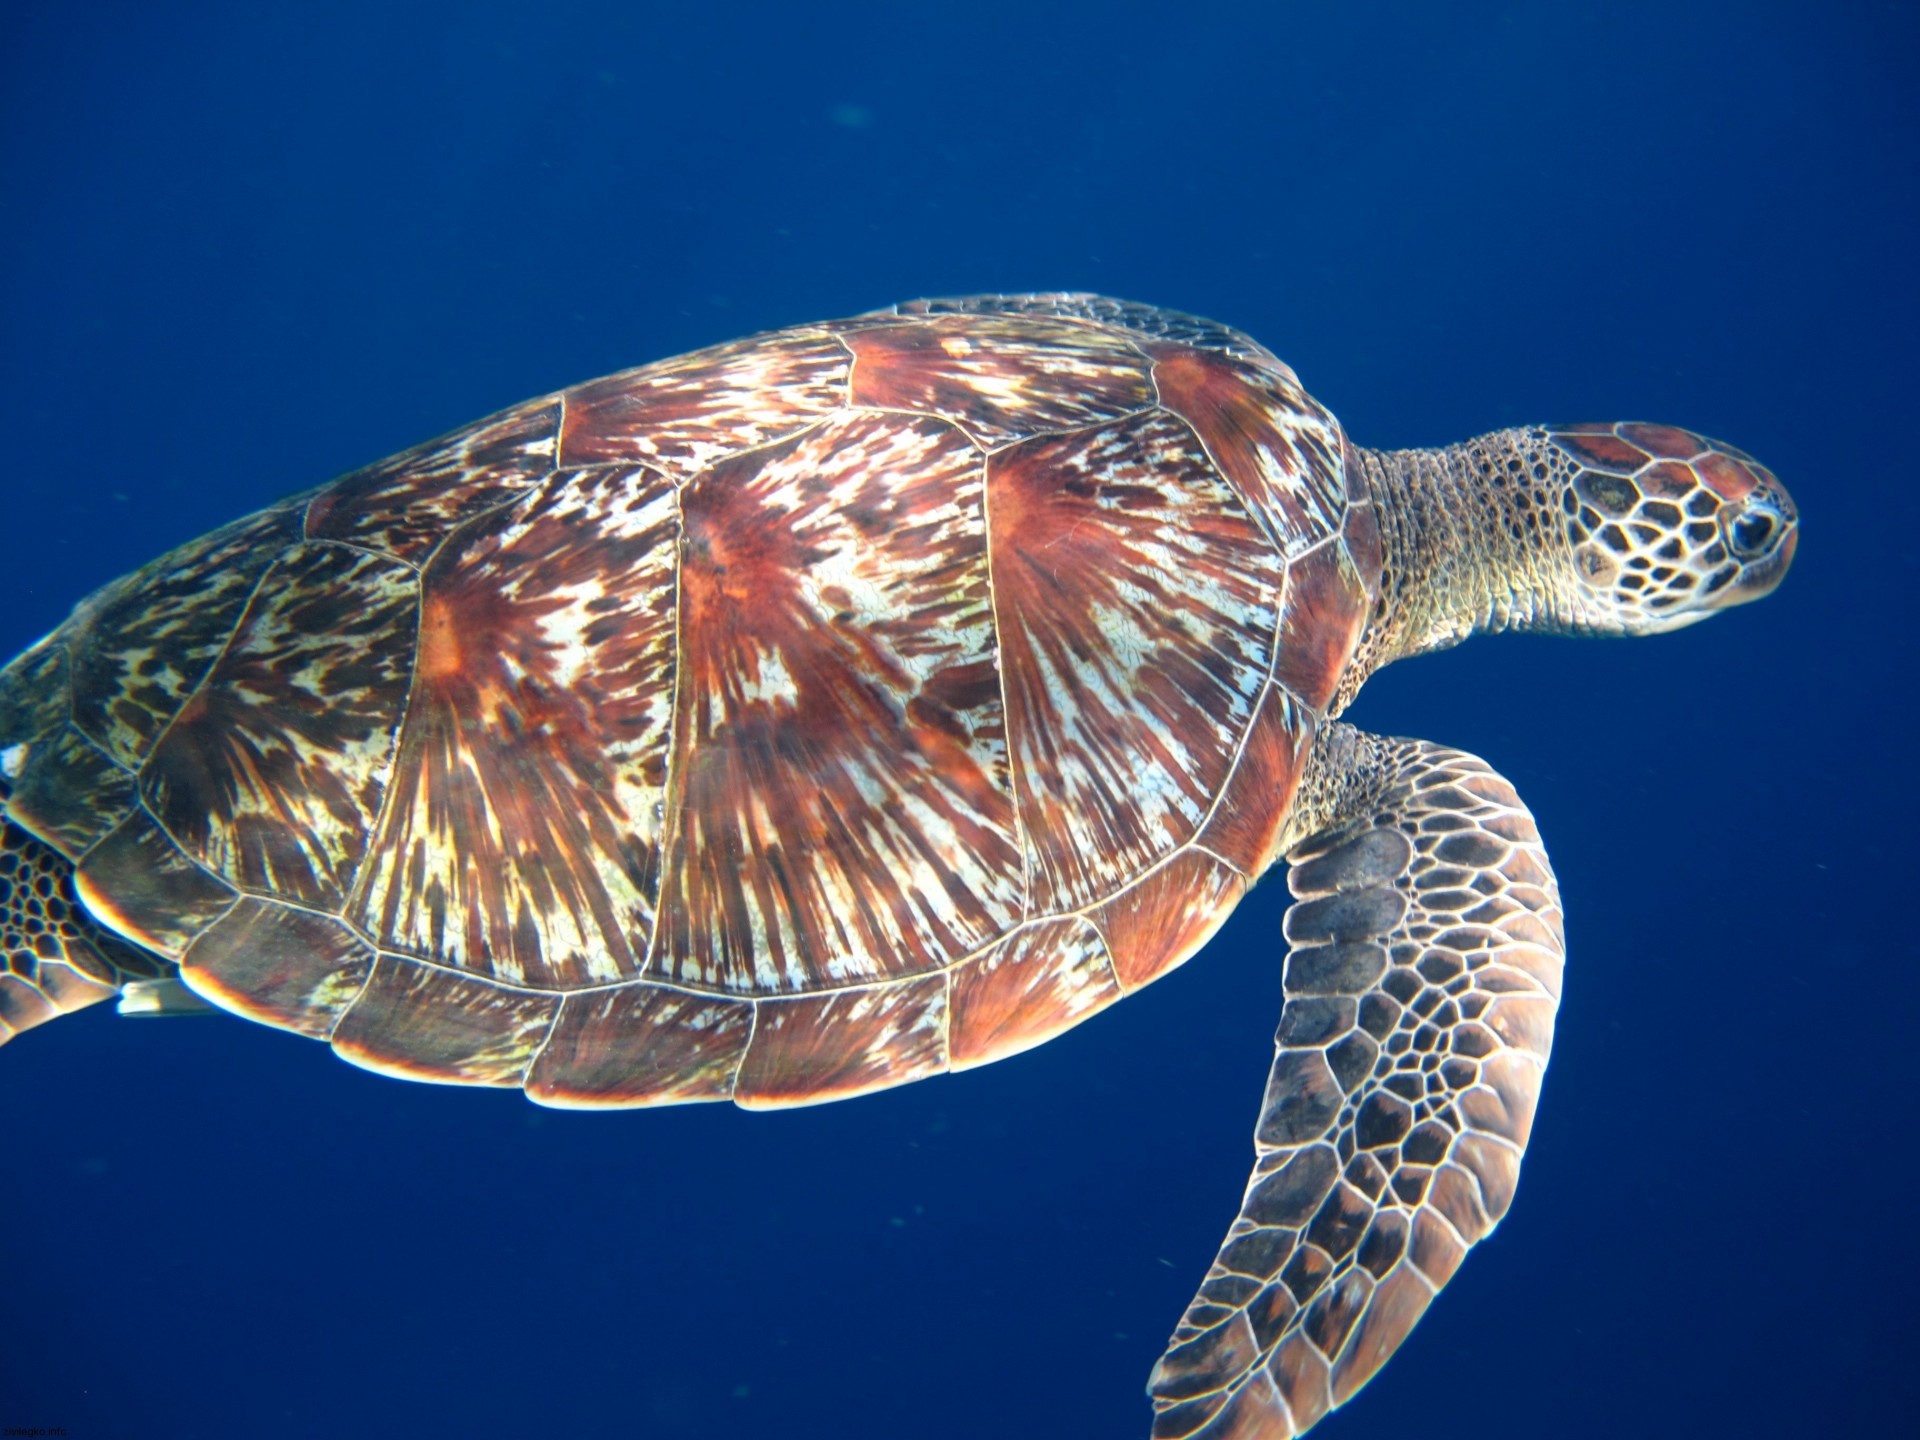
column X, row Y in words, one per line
column 1421, row 987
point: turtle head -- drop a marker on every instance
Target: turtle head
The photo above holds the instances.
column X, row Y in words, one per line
column 1665, row 526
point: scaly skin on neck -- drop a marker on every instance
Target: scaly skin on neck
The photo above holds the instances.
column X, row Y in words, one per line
column 1472, row 537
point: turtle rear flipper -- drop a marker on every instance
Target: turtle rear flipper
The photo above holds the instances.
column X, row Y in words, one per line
column 1420, row 996
column 54, row 957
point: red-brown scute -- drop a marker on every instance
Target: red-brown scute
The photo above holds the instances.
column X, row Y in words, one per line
column 519, row 839
column 426, row 1024
column 827, row 1047
column 1326, row 608
column 839, row 718
column 406, row 506
column 1162, row 919
column 1136, row 600
column 1663, row 442
column 1245, row 828
column 1039, row 981
column 1279, row 450
column 681, row 415
column 641, row 1045
column 273, row 773
column 1603, row 451
column 1002, row 379
column 280, row 966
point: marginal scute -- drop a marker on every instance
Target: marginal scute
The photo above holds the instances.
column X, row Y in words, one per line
column 813, row 1048
column 69, row 792
column 1147, row 321
column 417, row 1022
column 1245, row 828
column 35, row 692
column 1159, row 921
column 284, row 967
column 407, row 505
column 137, row 881
column 641, row 1044
column 1039, row 981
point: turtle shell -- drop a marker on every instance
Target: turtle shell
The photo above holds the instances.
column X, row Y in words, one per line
column 778, row 722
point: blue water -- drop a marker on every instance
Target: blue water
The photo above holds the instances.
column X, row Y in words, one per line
column 248, row 246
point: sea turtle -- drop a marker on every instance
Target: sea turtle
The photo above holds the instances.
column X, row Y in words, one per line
column 868, row 699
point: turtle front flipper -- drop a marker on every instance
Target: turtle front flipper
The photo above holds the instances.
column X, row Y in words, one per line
column 1420, row 995
column 54, row 957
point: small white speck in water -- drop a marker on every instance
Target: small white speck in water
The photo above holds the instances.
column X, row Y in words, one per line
column 13, row 760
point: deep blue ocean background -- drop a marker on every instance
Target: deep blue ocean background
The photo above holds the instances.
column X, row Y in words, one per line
column 248, row 246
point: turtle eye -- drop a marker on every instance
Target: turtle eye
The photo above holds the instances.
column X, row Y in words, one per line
column 1752, row 532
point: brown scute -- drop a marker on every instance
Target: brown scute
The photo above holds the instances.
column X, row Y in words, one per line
column 1147, row 322
column 272, row 774
column 842, row 799
column 407, row 505
column 1326, row 609
column 1665, row 442
column 36, row 691
column 1041, row 980
column 1281, row 452
column 686, row 413
column 1245, row 828
column 1137, row 599
column 1602, row 451
column 1365, row 550
column 1731, row 479
column 641, row 1045
column 141, row 884
column 420, row 1023
column 1160, row 921
column 521, row 833
column 283, row 967
column 70, row 793
column 814, row 1048
column 140, row 645
column 1000, row 378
